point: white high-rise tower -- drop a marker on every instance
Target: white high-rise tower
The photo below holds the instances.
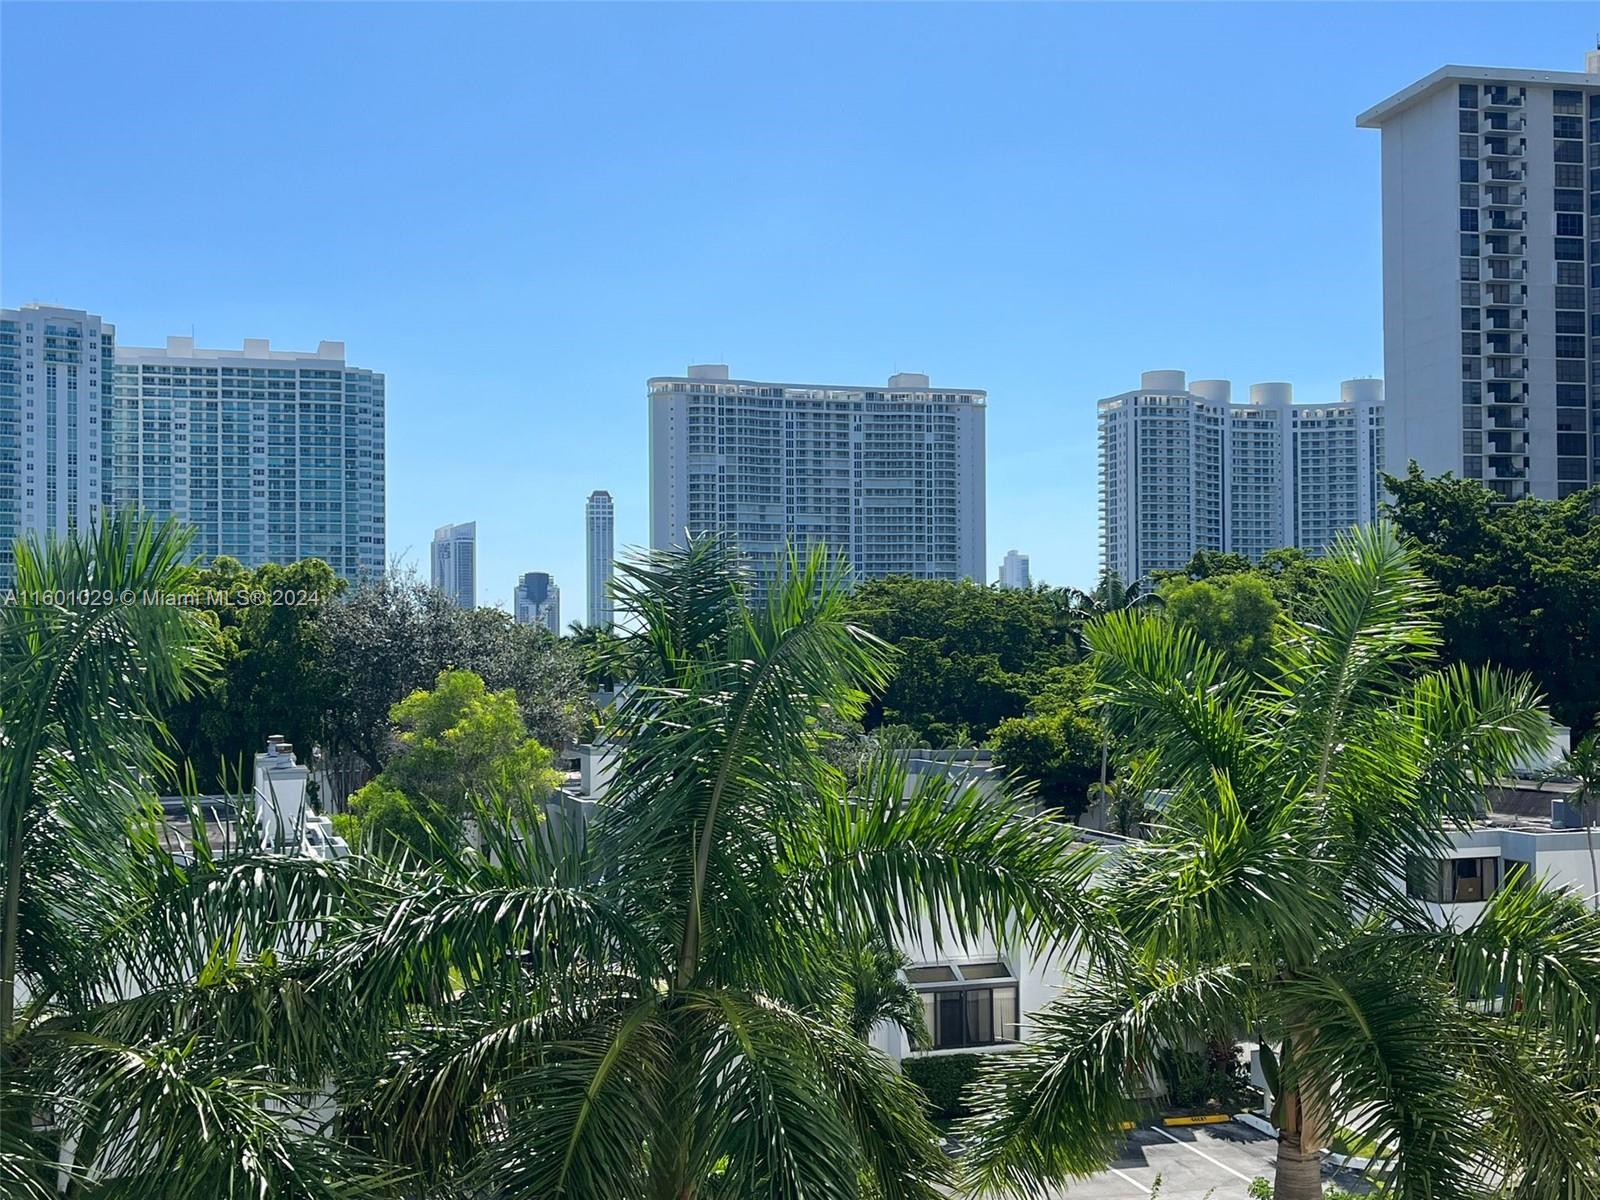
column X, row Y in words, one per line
column 1491, row 276
column 1184, row 468
column 600, row 536
column 890, row 476
column 1014, row 571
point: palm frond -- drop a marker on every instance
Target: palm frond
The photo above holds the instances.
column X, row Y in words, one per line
column 1054, row 1109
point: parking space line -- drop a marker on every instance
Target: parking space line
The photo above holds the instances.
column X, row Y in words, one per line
column 1214, row 1162
column 1143, row 1189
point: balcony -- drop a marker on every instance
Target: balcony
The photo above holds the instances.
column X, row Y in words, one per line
column 1504, row 325
column 1505, row 224
column 1504, row 148
column 1503, row 197
column 1502, row 99
column 1501, row 122
column 1499, row 423
column 1500, row 173
column 1507, row 273
column 1502, row 371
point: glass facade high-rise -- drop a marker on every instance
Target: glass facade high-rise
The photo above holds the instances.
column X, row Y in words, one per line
column 55, row 405
column 891, row 477
column 600, row 524
column 1184, row 468
column 536, row 600
column 453, row 562
column 271, row 455
column 1491, row 276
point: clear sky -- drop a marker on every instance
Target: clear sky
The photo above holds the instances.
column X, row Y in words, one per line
column 519, row 213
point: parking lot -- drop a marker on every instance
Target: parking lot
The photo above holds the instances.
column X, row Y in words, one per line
column 1192, row 1163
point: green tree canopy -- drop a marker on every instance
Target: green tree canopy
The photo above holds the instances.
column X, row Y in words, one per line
column 455, row 745
column 969, row 656
column 1234, row 614
column 393, row 635
column 1519, row 583
column 273, row 673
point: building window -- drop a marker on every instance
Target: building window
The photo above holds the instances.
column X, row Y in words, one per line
column 1452, row 880
column 966, row 1004
column 1467, row 95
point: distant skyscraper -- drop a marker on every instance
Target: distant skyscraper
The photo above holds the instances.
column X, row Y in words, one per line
column 454, row 560
column 1014, row 571
column 892, row 477
column 600, row 522
column 271, row 455
column 1491, row 276
column 56, row 367
column 1183, row 468
column 537, row 601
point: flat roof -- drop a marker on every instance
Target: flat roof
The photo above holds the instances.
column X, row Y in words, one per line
column 839, row 388
column 1375, row 116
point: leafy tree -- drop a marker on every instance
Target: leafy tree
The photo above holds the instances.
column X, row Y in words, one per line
column 969, row 656
column 1519, row 583
column 457, row 744
column 273, row 674
column 1270, row 900
column 1234, row 614
column 393, row 635
column 631, row 1007
column 1059, row 752
column 1581, row 766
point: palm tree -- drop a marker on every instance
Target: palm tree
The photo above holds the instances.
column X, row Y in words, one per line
column 1270, row 901
column 652, row 1003
column 1581, row 765
column 1111, row 595
column 147, row 1043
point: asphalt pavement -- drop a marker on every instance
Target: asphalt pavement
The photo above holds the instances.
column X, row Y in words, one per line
column 1194, row 1162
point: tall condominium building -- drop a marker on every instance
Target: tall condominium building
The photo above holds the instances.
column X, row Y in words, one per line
column 55, row 405
column 1184, row 468
column 271, row 455
column 453, row 559
column 890, row 476
column 600, row 525
column 1491, row 276
column 537, row 601
column 1014, row 571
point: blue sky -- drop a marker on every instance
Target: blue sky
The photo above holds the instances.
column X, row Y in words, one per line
column 520, row 213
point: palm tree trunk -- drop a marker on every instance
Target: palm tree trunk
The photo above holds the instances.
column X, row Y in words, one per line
column 1300, row 1141
column 1299, row 1175
column 8, row 930
column 1594, row 866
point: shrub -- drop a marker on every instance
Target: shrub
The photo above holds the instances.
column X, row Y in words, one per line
column 942, row 1078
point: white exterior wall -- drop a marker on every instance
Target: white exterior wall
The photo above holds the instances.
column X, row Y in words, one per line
column 601, row 552
column 271, row 455
column 892, row 477
column 56, row 372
